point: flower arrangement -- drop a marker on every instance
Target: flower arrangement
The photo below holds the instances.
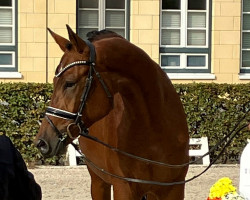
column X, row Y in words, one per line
column 224, row 190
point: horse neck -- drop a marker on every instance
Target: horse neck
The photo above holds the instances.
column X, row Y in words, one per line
column 145, row 99
column 141, row 72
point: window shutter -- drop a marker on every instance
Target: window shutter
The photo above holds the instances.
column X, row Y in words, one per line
column 246, row 6
column 171, row 19
column 246, row 22
column 5, row 17
column 196, row 37
column 246, row 41
column 171, row 37
column 88, row 18
column 196, row 20
column 115, row 19
column 5, row 35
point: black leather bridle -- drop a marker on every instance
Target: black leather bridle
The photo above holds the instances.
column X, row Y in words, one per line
column 76, row 117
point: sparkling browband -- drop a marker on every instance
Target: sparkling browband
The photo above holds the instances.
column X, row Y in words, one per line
column 81, row 62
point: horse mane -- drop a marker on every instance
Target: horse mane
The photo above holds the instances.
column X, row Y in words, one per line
column 98, row 35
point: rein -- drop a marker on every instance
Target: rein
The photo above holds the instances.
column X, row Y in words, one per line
column 219, row 143
column 83, row 131
column 229, row 136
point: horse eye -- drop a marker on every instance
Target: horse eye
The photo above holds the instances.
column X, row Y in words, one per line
column 69, row 84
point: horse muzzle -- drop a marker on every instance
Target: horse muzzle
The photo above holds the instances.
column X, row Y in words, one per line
column 43, row 146
column 48, row 150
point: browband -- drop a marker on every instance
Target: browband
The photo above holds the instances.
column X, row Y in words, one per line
column 81, row 62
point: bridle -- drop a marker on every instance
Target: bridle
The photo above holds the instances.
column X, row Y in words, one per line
column 76, row 117
column 83, row 131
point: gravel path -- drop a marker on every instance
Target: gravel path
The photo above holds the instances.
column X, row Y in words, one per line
column 73, row 183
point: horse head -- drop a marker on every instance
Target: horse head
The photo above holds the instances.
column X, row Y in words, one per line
column 80, row 96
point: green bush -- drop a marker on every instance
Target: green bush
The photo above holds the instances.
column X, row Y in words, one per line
column 21, row 107
column 212, row 110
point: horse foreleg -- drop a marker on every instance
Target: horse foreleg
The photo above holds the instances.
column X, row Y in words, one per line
column 100, row 190
column 127, row 191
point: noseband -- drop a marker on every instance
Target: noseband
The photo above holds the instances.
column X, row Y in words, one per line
column 77, row 117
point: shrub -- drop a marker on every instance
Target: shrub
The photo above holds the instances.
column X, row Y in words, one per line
column 21, row 108
column 212, row 110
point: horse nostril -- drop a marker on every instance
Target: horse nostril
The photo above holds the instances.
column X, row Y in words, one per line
column 40, row 143
column 43, row 146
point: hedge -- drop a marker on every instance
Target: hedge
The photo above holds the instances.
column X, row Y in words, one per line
column 21, row 108
column 212, row 110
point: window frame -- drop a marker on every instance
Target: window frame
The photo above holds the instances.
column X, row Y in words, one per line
column 184, row 25
column 243, row 70
column 183, row 61
column 11, row 48
column 102, row 16
column 183, row 48
column 12, row 57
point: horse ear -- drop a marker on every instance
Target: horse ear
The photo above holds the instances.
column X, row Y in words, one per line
column 76, row 40
column 61, row 41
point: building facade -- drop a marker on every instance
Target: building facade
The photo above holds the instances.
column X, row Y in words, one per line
column 192, row 40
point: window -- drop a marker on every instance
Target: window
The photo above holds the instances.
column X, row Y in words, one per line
column 245, row 43
column 184, row 36
column 103, row 14
column 185, row 60
column 7, row 35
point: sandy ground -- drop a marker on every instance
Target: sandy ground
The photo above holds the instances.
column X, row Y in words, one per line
column 73, row 183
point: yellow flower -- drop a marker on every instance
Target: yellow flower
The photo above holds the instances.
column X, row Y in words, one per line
column 221, row 188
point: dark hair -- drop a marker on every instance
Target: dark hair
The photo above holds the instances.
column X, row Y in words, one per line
column 97, row 35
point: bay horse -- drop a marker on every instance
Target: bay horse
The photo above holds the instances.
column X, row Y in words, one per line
column 115, row 90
